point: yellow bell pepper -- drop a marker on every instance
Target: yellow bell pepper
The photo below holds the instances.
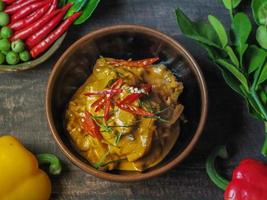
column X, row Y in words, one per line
column 20, row 177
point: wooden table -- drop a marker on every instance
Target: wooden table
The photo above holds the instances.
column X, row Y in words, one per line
column 22, row 111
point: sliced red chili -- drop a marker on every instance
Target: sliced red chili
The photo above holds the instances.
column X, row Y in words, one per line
column 134, row 63
column 117, row 84
column 90, row 126
column 107, row 109
column 133, row 97
column 135, row 110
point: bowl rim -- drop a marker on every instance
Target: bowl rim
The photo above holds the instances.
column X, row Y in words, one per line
column 155, row 172
column 35, row 62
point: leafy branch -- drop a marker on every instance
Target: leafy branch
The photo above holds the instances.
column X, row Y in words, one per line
column 242, row 63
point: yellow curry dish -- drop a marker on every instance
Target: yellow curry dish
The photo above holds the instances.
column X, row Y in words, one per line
column 126, row 115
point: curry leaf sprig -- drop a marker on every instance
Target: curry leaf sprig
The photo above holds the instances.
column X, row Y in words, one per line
column 243, row 63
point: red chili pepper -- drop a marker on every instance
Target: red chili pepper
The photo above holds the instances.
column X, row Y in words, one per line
column 28, row 20
column 134, row 63
column 8, row 1
column 91, row 127
column 249, row 179
column 37, row 37
column 25, row 11
column 100, row 103
column 135, row 110
column 107, row 109
column 52, row 37
column 29, row 30
column 134, row 96
column 17, row 6
column 53, row 6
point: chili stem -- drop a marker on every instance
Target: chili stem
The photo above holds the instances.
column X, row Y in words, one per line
column 264, row 148
column 215, row 177
column 52, row 160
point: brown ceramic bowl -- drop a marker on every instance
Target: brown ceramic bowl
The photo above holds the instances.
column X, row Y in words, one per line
column 126, row 41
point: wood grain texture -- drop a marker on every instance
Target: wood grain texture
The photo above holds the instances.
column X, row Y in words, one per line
column 22, row 111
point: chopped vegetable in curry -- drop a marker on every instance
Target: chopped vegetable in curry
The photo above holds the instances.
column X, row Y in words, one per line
column 125, row 116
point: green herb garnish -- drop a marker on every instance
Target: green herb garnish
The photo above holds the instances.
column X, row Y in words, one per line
column 243, row 63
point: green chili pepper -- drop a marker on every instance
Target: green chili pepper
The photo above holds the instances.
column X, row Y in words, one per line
column 76, row 7
column 87, row 11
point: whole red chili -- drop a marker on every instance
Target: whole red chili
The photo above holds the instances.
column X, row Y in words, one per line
column 13, row 8
column 29, row 30
column 18, row 25
column 25, row 11
column 42, row 33
column 90, row 126
column 134, row 63
column 249, row 179
column 53, row 6
column 52, row 37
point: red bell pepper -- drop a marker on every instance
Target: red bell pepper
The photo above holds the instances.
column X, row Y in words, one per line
column 249, row 179
column 8, row 1
column 91, row 127
column 134, row 63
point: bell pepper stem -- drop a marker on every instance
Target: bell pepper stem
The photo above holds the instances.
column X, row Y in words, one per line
column 52, row 160
column 264, row 148
column 214, row 176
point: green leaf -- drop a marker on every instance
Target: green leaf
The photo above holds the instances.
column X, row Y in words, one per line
column 263, row 75
column 230, row 4
column 219, row 28
column 236, row 73
column 255, row 57
column 232, row 55
column 87, row 11
column 261, row 36
column 262, row 14
column 77, row 5
column 194, row 31
column 241, row 27
column 232, row 81
column 61, row 3
column 258, row 10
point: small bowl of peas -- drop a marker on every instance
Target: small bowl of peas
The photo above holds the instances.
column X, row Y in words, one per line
column 14, row 54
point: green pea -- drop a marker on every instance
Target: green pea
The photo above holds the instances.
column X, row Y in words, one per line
column 4, row 45
column 18, row 46
column 12, row 58
column 2, row 6
column 25, row 56
column 2, row 58
column 6, row 32
column 4, row 19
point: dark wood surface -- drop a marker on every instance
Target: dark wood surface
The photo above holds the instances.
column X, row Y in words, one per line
column 22, row 111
